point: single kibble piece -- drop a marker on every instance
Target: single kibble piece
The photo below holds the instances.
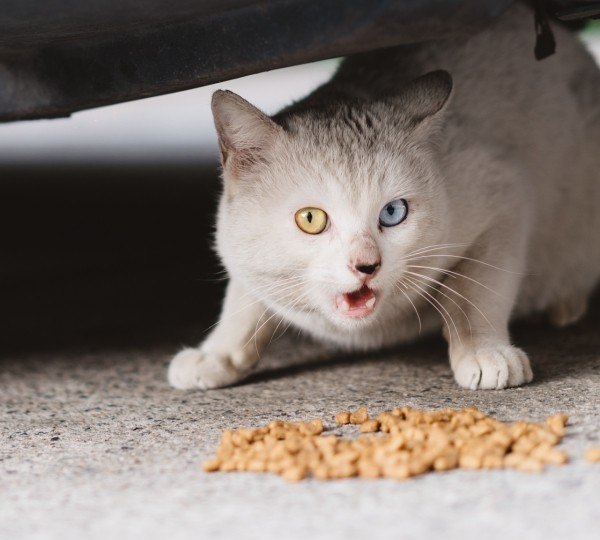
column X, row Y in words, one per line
column 531, row 465
column 593, row 454
column 399, row 472
column 211, row 465
column 342, row 418
column 359, row 416
column 492, row 461
column 445, row 462
column 314, row 427
column 555, row 457
column 557, row 423
column 294, row 474
column 368, row 469
column 470, row 461
column 369, row 426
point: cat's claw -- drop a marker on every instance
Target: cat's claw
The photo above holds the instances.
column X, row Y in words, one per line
column 194, row 368
column 491, row 368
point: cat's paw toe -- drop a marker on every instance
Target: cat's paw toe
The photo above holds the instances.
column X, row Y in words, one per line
column 492, row 368
column 194, row 368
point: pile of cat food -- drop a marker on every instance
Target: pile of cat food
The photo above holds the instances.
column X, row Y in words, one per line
column 396, row 444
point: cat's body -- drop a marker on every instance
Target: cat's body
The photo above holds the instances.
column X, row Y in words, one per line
column 501, row 183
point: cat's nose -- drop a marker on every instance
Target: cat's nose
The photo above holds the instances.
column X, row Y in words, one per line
column 368, row 269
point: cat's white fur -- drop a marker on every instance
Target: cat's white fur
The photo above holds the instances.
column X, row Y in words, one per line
column 500, row 166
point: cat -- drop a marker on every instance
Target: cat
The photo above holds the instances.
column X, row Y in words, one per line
column 452, row 184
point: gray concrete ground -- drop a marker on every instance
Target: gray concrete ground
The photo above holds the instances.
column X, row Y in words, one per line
column 96, row 445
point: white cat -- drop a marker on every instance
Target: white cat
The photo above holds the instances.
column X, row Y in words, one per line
column 397, row 199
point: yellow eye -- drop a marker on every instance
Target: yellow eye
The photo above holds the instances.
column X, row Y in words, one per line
column 311, row 220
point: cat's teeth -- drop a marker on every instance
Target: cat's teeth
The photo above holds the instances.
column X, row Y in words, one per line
column 345, row 306
column 370, row 303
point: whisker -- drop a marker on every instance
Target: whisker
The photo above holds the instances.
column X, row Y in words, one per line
column 457, row 274
column 425, row 284
column 433, row 247
column 455, row 292
column 420, row 293
column 282, row 281
column 462, row 257
column 413, row 305
column 285, row 329
column 278, row 288
column 277, row 313
column 310, row 311
column 290, row 308
column 300, row 330
column 440, row 305
column 212, row 279
column 218, row 272
column 257, row 328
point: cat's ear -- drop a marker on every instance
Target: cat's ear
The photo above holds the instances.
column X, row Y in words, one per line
column 426, row 97
column 244, row 132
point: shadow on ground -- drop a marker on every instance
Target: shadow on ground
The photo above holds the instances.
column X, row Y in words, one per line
column 98, row 257
column 97, row 254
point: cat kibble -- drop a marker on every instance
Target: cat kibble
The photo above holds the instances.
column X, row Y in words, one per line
column 593, row 454
column 359, row 416
column 342, row 418
column 369, row 426
column 397, row 444
column 557, row 423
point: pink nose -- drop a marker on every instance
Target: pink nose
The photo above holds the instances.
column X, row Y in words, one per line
column 368, row 269
column 364, row 256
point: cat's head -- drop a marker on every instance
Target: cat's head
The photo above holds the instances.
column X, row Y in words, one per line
column 322, row 205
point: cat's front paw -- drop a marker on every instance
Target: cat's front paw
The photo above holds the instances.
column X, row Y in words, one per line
column 195, row 368
column 491, row 367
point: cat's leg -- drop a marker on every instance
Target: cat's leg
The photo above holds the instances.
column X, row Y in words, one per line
column 481, row 355
column 568, row 311
column 230, row 351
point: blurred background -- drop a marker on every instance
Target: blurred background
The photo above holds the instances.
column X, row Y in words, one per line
column 106, row 217
column 171, row 129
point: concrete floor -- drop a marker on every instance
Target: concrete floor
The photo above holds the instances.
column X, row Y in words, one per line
column 94, row 444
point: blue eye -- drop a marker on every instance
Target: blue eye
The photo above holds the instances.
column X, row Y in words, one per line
column 393, row 213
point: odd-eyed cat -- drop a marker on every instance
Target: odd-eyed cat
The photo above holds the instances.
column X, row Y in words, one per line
column 453, row 184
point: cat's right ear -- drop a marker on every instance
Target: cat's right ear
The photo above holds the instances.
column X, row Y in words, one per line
column 244, row 132
column 424, row 100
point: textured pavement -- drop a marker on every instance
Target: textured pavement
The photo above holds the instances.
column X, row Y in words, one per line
column 96, row 445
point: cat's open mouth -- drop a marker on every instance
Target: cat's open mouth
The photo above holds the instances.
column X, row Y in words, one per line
column 357, row 303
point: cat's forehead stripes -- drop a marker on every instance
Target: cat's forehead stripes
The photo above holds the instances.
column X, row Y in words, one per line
column 349, row 126
column 345, row 149
column 358, row 123
column 344, row 169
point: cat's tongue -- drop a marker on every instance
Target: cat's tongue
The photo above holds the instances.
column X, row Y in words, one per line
column 358, row 303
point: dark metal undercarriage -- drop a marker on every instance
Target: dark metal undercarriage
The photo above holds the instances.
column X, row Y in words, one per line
column 61, row 56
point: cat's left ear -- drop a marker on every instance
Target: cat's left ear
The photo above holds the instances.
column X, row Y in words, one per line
column 245, row 133
column 424, row 99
